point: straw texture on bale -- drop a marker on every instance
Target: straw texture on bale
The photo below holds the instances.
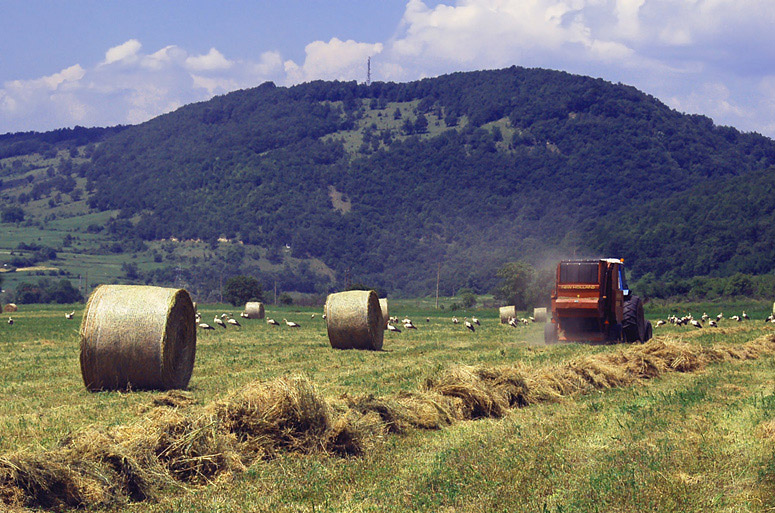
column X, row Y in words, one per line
column 254, row 310
column 539, row 314
column 354, row 320
column 10, row 307
column 508, row 312
column 137, row 337
column 383, row 306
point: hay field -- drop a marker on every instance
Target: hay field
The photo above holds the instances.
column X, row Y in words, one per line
column 697, row 440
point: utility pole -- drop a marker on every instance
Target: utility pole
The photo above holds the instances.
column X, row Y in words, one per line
column 368, row 71
column 438, row 275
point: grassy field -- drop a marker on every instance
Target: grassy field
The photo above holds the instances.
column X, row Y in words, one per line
column 693, row 441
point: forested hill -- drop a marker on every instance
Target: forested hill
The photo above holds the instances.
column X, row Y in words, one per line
column 467, row 170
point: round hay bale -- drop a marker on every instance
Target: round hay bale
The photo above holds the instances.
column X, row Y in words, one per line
column 354, row 320
column 137, row 337
column 383, row 306
column 539, row 314
column 10, row 307
column 508, row 312
column 255, row 310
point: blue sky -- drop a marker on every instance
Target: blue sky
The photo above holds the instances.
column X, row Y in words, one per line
column 99, row 63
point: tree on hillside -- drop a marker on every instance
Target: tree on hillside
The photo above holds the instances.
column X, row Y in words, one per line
column 238, row 290
column 12, row 214
column 516, row 279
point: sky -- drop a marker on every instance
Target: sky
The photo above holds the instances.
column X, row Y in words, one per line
column 103, row 63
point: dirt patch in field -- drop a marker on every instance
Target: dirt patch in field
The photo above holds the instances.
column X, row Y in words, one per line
column 181, row 444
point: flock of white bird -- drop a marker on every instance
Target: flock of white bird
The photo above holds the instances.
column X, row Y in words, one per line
column 705, row 319
column 227, row 319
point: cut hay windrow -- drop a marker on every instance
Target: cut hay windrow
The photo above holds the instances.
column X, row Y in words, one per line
column 184, row 445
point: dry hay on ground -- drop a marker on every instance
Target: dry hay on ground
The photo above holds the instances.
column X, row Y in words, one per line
column 183, row 445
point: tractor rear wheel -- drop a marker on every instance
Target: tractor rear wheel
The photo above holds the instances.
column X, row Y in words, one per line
column 550, row 333
column 634, row 320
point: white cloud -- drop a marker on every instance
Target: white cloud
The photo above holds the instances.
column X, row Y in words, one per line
column 213, row 60
column 334, row 60
column 123, row 52
column 128, row 87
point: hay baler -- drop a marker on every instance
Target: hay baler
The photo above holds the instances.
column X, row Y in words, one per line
column 591, row 303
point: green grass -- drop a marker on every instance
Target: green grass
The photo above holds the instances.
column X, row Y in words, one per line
column 683, row 442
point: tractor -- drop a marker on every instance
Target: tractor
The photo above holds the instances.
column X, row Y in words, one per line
column 591, row 303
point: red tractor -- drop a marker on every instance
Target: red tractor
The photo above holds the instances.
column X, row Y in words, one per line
column 591, row 303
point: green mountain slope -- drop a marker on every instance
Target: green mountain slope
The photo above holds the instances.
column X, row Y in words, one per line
column 383, row 183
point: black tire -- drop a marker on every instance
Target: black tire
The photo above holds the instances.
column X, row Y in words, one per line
column 649, row 331
column 634, row 320
column 550, row 333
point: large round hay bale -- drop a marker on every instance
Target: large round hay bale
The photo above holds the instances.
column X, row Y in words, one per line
column 137, row 337
column 508, row 312
column 383, row 306
column 354, row 320
column 10, row 307
column 254, row 310
column 539, row 314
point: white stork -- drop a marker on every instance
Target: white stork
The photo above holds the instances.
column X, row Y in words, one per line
column 291, row 324
column 390, row 327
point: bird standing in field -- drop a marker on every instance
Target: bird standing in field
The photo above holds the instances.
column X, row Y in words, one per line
column 233, row 322
column 660, row 323
column 454, row 320
column 392, row 328
column 735, row 318
column 217, row 320
column 291, row 324
column 409, row 325
column 205, row 326
column 70, row 315
column 272, row 322
column 475, row 321
column 719, row 316
column 10, row 321
column 696, row 323
column 745, row 316
column 713, row 324
column 244, row 315
column 469, row 325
